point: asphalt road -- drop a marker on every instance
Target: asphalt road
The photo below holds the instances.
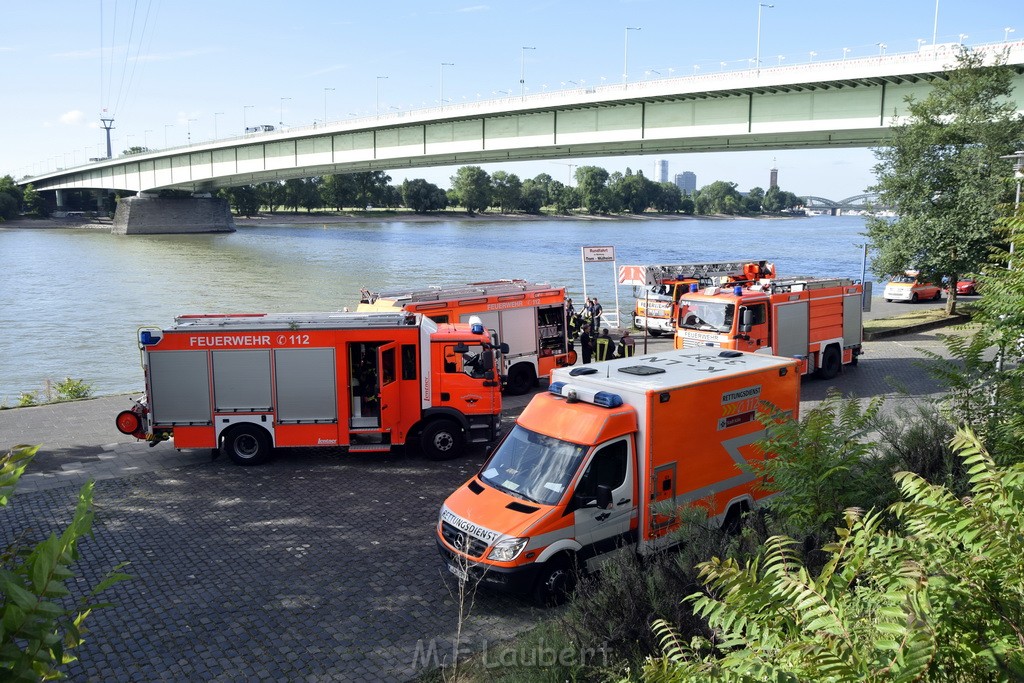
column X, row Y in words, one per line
column 318, row 566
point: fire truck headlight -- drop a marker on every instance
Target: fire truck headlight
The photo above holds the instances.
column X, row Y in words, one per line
column 507, row 549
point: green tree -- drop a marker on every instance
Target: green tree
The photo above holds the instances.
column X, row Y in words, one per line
column 564, row 198
column 719, row 197
column 506, row 191
column 668, row 198
column 533, row 196
column 370, row 188
column 338, row 191
column 753, row 200
column 11, row 196
column 311, row 194
column 421, row 196
column 245, row 200
column 41, row 622
column 544, row 181
column 33, row 201
column 635, row 193
column 591, row 184
column 687, row 206
column 272, row 194
column 942, row 175
column 942, row 601
column 471, row 188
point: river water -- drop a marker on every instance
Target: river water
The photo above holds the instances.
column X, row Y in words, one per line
column 71, row 300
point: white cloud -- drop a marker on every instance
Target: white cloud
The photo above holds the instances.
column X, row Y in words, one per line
column 474, row 8
column 72, row 118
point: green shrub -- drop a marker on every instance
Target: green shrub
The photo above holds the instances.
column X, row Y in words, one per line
column 38, row 629
column 72, row 389
column 28, row 398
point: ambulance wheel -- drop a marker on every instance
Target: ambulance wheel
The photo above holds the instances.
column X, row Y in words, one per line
column 247, row 445
column 441, row 440
column 555, row 582
column 520, row 380
column 831, row 364
column 913, row 299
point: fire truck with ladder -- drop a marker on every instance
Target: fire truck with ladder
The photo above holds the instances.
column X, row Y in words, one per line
column 817, row 320
column 247, row 383
column 656, row 305
column 528, row 316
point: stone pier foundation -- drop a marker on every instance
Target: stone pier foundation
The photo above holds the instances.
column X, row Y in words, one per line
column 151, row 215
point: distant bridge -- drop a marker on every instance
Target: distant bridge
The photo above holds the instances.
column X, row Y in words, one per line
column 848, row 103
column 859, row 202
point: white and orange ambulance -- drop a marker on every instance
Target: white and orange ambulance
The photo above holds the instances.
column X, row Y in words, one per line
column 528, row 316
column 818, row 320
column 247, row 383
column 605, row 459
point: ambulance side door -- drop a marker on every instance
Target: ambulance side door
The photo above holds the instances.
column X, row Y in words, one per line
column 601, row 531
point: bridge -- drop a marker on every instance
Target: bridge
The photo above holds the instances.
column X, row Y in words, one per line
column 847, row 103
column 860, row 202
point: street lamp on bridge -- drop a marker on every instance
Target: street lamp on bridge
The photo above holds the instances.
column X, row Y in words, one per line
column 377, row 95
column 188, row 129
column 625, row 53
column 522, row 69
column 215, row 115
column 281, row 118
column 757, row 56
column 1006, row 33
column 440, row 87
column 881, row 48
column 326, row 90
column 145, row 138
column 166, row 126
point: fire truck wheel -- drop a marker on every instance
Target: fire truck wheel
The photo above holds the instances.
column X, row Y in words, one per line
column 520, row 380
column 441, row 440
column 831, row 363
column 555, row 583
column 655, row 333
column 247, row 445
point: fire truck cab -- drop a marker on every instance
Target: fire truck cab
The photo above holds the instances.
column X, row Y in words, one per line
column 528, row 316
column 817, row 320
column 656, row 303
column 248, row 383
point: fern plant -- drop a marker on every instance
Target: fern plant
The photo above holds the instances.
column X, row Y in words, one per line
column 943, row 601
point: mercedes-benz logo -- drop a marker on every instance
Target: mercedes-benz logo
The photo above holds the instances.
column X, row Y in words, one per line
column 460, row 542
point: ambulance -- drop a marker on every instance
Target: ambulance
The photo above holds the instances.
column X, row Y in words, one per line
column 528, row 316
column 814, row 319
column 606, row 459
column 248, row 383
column 655, row 309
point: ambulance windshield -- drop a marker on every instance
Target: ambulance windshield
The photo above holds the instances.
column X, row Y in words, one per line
column 706, row 315
column 532, row 466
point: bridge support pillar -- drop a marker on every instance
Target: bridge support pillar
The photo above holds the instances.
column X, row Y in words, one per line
column 151, row 215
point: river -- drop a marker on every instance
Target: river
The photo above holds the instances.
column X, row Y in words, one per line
column 71, row 300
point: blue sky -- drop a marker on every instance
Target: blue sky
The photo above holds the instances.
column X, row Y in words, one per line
column 167, row 70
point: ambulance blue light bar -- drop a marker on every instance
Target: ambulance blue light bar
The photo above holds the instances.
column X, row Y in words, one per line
column 604, row 399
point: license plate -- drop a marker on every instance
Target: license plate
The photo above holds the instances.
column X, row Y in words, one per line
column 459, row 572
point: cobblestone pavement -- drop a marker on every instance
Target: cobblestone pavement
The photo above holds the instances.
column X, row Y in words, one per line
column 318, row 566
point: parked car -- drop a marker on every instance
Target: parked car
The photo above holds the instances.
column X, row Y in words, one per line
column 967, row 285
column 908, row 287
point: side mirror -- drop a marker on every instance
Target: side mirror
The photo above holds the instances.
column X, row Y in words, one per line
column 487, row 361
column 461, row 348
column 503, row 347
column 746, row 320
column 604, row 497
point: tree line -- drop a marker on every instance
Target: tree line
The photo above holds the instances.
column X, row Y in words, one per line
column 596, row 192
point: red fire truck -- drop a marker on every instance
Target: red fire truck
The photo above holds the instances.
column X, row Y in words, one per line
column 663, row 285
column 528, row 316
column 248, row 383
column 815, row 319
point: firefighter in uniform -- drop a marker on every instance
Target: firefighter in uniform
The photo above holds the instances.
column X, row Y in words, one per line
column 605, row 346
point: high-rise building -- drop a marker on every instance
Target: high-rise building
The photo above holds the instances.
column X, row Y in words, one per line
column 661, row 171
column 687, row 182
